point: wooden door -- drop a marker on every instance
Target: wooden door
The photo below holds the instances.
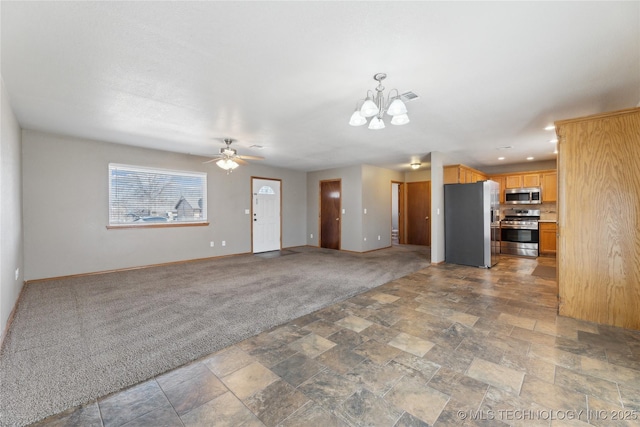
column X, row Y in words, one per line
column 330, row 203
column 418, row 213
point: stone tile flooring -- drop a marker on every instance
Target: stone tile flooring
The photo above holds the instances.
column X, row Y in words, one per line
column 448, row 345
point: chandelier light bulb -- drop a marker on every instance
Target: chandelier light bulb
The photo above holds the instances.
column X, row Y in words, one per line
column 397, row 108
column 369, row 108
column 399, row 120
column 376, row 123
column 415, row 166
column 357, row 119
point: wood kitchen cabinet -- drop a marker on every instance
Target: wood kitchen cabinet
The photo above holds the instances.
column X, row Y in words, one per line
column 522, row 180
column 461, row 174
column 500, row 180
column 531, row 180
column 550, row 187
column 598, row 246
column 513, row 181
column 547, row 238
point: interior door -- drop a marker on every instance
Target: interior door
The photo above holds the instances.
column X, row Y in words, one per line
column 330, row 203
column 418, row 212
column 265, row 215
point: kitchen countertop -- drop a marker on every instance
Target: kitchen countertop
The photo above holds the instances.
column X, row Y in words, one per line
column 547, row 220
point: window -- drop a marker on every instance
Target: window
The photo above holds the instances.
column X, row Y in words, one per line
column 141, row 196
column 265, row 189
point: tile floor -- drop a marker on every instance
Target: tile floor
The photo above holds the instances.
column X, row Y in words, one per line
column 449, row 345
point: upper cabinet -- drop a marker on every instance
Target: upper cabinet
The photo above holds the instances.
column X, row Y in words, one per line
column 546, row 179
column 513, row 181
column 461, row 174
column 549, row 186
column 521, row 180
column 531, row 180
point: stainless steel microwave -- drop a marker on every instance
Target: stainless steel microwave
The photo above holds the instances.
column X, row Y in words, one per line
column 523, row 196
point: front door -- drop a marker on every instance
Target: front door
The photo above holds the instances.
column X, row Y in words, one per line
column 330, row 202
column 265, row 215
column 418, row 211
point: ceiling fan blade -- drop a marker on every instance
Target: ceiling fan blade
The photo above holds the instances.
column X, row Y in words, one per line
column 251, row 157
column 239, row 161
column 215, row 159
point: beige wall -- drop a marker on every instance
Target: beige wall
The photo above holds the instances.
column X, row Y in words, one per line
column 66, row 204
column 351, row 219
column 11, row 237
column 376, row 199
column 363, row 187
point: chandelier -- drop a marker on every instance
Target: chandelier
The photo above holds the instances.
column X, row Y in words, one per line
column 375, row 105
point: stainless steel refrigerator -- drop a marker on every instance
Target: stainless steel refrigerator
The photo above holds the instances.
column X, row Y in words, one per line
column 472, row 223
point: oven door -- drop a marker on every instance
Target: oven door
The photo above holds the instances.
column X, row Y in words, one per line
column 519, row 241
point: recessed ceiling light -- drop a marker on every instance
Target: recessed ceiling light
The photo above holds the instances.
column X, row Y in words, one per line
column 529, row 158
column 553, row 141
column 257, row 147
column 550, row 127
column 505, row 147
column 500, row 158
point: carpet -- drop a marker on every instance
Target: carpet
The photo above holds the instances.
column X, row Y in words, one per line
column 76, row 339
column 544, row 271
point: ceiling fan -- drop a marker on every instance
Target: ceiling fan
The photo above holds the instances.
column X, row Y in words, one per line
column 229, row 159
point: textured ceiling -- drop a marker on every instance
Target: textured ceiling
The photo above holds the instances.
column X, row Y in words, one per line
column 180, row 76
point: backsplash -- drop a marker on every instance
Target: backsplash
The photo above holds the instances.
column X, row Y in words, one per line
column 547, row 210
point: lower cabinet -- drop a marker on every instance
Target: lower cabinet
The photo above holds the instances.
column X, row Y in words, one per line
column 547, row 238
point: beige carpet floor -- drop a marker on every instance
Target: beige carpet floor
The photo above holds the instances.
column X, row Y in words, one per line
column 76, row 339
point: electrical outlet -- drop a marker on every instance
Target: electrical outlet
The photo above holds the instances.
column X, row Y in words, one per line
column 378, row 237
column 365, row 239
column 17, row 273
column 311, row 236
column 365, row 211
column 246, row 211
column 224, row 243
column 212, row 244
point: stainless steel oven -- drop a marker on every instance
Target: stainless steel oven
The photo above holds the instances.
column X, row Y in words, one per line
column 519, row 233
column 523, row 196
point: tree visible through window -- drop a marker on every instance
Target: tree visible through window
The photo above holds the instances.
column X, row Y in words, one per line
column 139, row 196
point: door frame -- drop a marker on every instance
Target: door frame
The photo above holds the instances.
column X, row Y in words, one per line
column 251, row 204
column 401, row 211
column 339, row 180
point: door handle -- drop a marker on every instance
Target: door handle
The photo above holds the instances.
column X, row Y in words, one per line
column 337, row 219
column 426, row 218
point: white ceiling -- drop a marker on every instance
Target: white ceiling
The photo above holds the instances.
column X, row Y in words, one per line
column 179, row 76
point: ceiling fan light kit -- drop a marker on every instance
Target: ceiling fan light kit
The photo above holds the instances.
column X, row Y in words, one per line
column 375, row 105
column 229, row 159
column 227, row 164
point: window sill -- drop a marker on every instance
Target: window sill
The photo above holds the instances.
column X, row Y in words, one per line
column 156, row 225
